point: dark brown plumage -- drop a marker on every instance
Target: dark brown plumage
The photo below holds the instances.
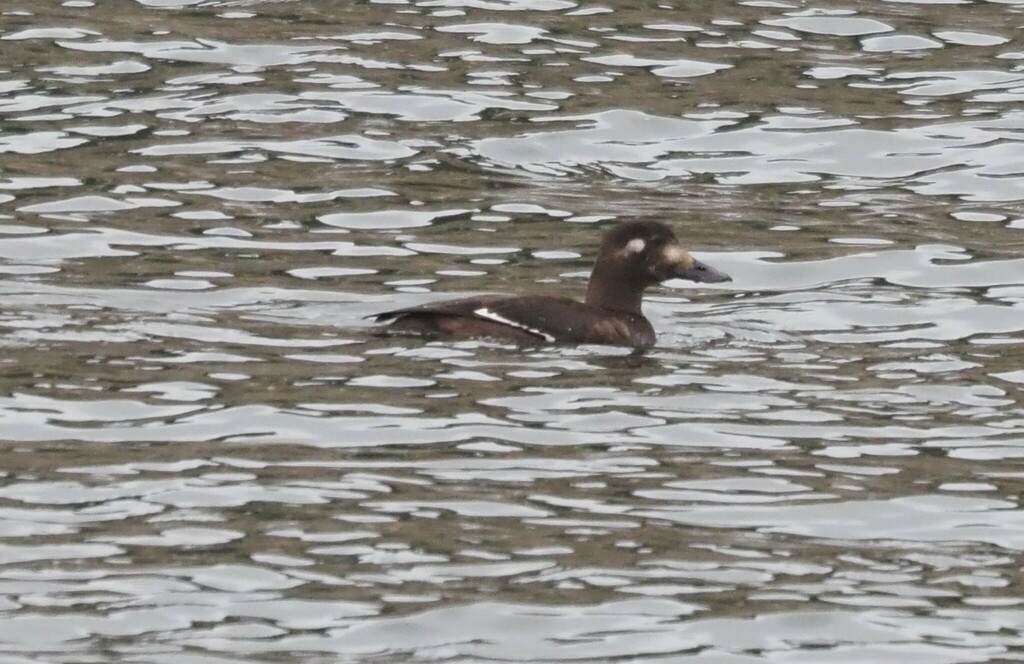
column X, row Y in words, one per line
column 633, row 256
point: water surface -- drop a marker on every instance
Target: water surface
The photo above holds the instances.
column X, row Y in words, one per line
column 208, row 458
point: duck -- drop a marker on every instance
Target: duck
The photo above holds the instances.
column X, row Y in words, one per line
column 633, row 256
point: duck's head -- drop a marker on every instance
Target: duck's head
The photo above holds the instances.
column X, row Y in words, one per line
column 648, row 252
column 638, row 254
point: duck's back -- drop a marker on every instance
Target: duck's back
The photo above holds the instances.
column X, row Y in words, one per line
column 523, row 319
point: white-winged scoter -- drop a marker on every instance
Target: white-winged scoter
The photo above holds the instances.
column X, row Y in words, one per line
column 633, row 256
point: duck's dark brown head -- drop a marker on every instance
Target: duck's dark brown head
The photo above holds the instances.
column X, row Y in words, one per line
column 638, row 254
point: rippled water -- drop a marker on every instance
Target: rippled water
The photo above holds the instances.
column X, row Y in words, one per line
column 208, row 459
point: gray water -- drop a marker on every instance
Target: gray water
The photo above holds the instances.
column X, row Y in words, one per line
column 207, row 458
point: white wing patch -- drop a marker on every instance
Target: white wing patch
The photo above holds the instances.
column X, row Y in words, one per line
column 484, row 312
column 635, row 246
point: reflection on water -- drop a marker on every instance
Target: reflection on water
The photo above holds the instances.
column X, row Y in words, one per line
column 209, row 459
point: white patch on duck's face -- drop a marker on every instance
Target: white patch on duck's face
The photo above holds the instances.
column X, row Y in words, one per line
column 484, row 312
column 635, row 246
column 675, row 254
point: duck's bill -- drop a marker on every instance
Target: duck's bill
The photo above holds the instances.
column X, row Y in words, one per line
column 702, row 273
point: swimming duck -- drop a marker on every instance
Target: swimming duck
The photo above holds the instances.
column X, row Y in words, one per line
column 633, row 256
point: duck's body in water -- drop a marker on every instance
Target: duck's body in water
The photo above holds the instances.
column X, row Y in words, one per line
column 633, row 256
